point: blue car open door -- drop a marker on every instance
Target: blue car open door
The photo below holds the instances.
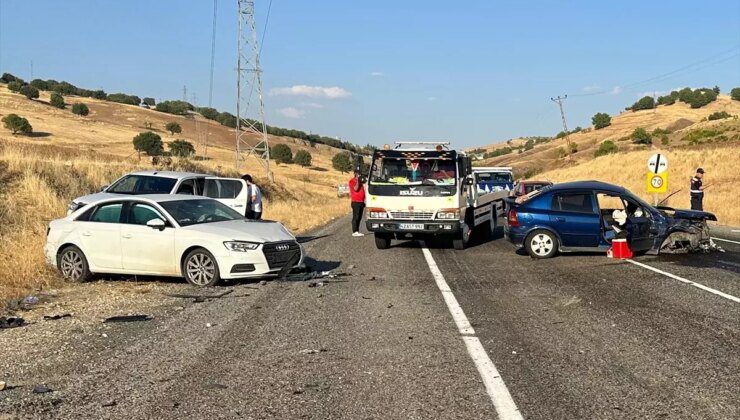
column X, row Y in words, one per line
column 574, row 217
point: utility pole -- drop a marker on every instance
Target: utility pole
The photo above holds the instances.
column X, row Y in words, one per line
column 559, row 100
column 31, row 70
column 184, row 93
column 249, row 82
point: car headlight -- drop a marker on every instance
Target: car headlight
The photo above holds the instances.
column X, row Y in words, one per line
column 241, row 246
column 377, row 213
column 74, row 206
column 448, row 214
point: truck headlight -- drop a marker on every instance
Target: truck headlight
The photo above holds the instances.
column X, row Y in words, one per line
column 241, row 246
column 377, row 213
column 448, row 214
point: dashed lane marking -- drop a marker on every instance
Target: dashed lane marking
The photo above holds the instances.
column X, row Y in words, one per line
column 495, row 386
column 683, row 280
column 725, row 240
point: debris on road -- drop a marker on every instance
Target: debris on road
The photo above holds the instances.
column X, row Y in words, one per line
column 199, row 298
column 263, row 283
column 316, row 284
column 57, row 316
column 312, row 351
column 109, row 403
column 30, row 300
column 11, row 322
column 41, row 389
column 2, row 385
column 127, row 318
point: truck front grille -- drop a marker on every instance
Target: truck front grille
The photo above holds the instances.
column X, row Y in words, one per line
column 412, row 215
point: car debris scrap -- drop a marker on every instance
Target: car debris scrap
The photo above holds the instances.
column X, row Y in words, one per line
column 128, row 318
column 11, row 322
column 57, row 316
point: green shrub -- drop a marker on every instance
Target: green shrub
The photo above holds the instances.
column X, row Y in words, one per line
column 175, row 107
column 80, row 109
column 664, row 140
column 17, row 124
column 695, row 136
column 29, row 92
column 342, row 162
column 606, row 148
column 65, row 88
column 702, row 97
column 601, row 120
column 718, row 116
column 40, row 84
column 303, row 158
column 573, row 148
column 7, row 78
column 281, row 153
column 173, row 128
column 15, row 86
column 561, row 134
column 181, row 148
column 735, row 93
column 498, row 152
column 122, row 98
column 669, row 99
column 209, row 113
column 660, row 131
column 149, row 143
column 227, row 119
column 57, row 101
column 646, row 102
column 529, row 145
column 641, row 136
column 149, row 101
column 560, row 153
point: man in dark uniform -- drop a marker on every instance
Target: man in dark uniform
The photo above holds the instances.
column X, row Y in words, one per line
column 697, row 190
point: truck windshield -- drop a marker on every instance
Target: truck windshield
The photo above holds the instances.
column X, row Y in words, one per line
column 404, row 171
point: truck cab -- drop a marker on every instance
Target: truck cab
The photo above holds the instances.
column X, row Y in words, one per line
column 419, row 190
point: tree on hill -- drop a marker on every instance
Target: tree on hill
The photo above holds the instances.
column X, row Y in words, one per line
column 15, row 86
column 7, row 78
column 646, row 102
column 668, row 99
column 174, row 107
column 122, row 98
column 65, row 88
column 208, row 113
column 57, row 101
column 149, row 143
column 181, row 148
column 342, row 162
column 17, row 124
column 641, row 136
column 29, row 92
column 40, row 84
column 606, row 148
column 80, row 109
column 227, row 119
column 281, row 153
column 303, row 158
column 149, row 101
column 685, row 95
column 173, row 128
column 715, row 89
column 529, row 145
column 735, row 93
column 718, row 115
column 701, row 97
column 601, row 120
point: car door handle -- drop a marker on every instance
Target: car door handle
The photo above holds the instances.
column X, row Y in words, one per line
column 86, row 233
column 238, row 205
column 126, row 235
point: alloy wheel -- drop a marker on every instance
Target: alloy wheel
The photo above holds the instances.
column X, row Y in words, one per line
column 200, row 269
column 541, row 244
column 72, row 265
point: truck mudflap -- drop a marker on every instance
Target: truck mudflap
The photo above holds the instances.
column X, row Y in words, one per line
column 414, row 227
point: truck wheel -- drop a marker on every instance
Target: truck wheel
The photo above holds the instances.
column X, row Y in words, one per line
column 382, row 241
column 541, row 244
column 461, row 242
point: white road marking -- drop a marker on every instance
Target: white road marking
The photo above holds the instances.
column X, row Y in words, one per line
column 495, row 386
column 725, row 240
column 683, row 280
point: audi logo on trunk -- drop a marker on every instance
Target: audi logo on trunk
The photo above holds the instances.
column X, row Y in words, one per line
column 283, row 247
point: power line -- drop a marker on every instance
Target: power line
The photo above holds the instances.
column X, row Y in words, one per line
column 264, row 28
column 559, row 100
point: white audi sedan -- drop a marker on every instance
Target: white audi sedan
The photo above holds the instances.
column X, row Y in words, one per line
column 194, row 237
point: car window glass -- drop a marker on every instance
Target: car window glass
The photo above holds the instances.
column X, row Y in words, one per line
column 634, row 209
column 222, row 188
column 140, row 214
column 574, row 202
column 107, row 213
column 187, row 187
column 143, row 184
column 609, row 202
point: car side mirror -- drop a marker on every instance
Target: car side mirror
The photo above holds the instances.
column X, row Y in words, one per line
column 469, row 181
column 156, row 224
column 104, row 187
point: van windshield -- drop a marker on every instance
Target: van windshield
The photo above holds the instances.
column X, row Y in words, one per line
column 142, row 184
column 404, row 171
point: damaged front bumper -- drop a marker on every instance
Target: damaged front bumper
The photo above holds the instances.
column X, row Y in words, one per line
column 684, row 236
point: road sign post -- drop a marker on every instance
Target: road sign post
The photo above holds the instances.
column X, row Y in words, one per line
column 657, row 176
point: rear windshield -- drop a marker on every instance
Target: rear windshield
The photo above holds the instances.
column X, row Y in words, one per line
column 142, row 184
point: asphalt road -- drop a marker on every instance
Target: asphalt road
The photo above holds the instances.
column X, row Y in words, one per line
column 578, row 336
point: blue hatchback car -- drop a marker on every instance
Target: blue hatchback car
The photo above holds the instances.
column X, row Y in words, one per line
column 578, row 216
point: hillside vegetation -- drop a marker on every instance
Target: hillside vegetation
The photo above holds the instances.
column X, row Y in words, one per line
column 69, row 155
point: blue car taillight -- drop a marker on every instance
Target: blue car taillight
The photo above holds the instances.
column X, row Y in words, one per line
column 512, row 218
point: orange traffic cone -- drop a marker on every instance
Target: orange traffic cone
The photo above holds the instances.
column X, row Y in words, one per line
column 619, row 250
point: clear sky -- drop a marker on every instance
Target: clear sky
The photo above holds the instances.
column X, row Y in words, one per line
column 473, row 72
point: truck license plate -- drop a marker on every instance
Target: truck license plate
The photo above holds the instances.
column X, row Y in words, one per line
column 411, row 226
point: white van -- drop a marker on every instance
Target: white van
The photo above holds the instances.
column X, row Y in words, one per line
column 231, row 191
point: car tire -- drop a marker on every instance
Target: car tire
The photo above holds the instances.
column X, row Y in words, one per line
column 73, row 265
column 461, row 242
column 541, row 244
column 200, row 268
column 382, row 241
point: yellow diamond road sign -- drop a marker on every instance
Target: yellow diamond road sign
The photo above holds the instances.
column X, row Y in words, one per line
column 657, row 183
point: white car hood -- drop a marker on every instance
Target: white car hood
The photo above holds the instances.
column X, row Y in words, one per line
column 245, row 230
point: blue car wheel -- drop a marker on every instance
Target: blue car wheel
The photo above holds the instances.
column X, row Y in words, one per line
column 541, row 244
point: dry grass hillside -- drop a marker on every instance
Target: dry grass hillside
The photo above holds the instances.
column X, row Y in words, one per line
column 686, row 128
column 69, row 155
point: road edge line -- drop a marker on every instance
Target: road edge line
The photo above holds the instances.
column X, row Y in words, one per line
column 495, row 387
column 725, row 240
column 683, row 280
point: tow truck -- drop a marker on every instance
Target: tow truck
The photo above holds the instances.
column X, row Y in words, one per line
column 421, row 190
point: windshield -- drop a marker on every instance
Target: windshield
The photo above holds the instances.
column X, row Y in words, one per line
column 194, row 212
column 142, row 184
column 497, row 177
column 403, row 171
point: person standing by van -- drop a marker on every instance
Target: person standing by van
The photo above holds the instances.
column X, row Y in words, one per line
column 357, row 196
column 254, row 199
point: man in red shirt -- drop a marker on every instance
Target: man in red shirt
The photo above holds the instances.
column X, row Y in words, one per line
column 357, row 195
